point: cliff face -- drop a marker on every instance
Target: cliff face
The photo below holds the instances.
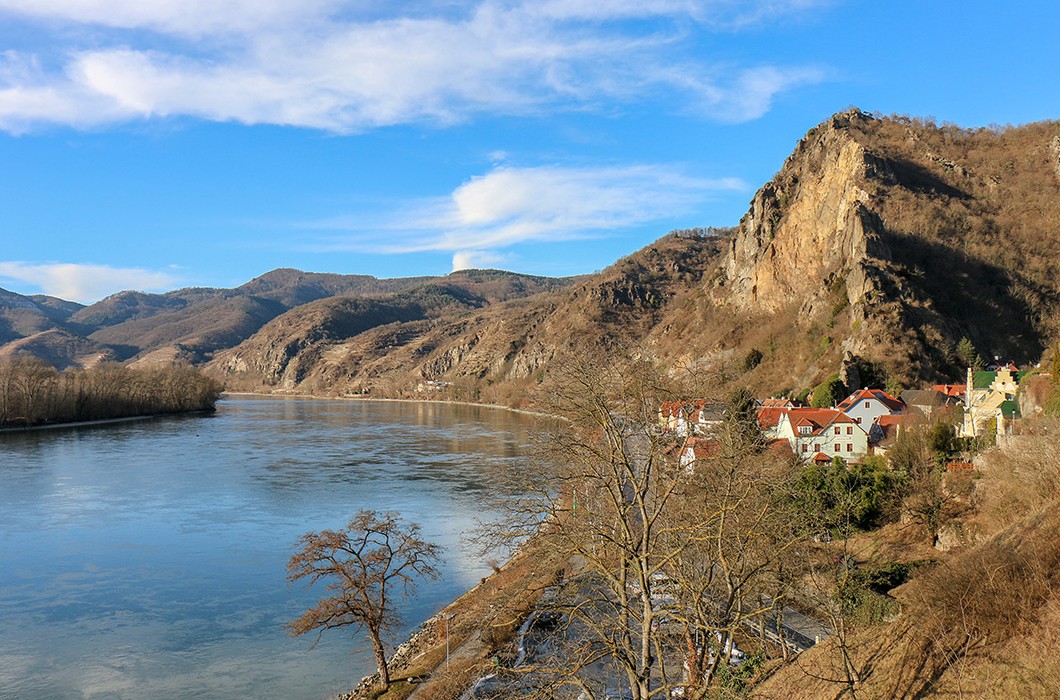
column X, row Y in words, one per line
column 924, row 234
column 809, row 225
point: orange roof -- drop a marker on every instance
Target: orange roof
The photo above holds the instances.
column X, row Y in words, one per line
column 880, row 395
column 769, row 416
column 954, row 390
column 780, row 446
column 821, row 458
column 702, row 448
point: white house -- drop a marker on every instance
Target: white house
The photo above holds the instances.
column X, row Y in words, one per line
column 866, row 405
column 815, row 433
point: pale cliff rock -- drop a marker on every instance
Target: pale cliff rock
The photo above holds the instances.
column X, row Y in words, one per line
column 809, row 227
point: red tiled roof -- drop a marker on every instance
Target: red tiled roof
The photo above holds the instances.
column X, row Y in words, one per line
column 702, row 448
column 821, row 458
column 954, row 390
column 780, row 446
column 769, row 416
column 889, row 421
column 880, row 395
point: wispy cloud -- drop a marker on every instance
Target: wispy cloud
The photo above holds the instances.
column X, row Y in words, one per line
column 510, row 206
column 334, row 65
column 83, row 282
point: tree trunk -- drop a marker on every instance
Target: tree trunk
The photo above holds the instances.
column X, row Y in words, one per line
column 380, row 660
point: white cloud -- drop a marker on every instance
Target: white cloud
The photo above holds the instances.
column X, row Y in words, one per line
column 86, row 283
column 510, row 205
column 344, row 65
column 477, row 259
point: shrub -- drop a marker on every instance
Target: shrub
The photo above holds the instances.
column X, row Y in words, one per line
column 828, row 393
column 842, row 498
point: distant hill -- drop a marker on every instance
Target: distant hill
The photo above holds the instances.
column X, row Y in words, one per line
column 22, row 316
column 189, row 325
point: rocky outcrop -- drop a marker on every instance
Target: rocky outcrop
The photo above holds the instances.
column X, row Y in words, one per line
column 809, row 227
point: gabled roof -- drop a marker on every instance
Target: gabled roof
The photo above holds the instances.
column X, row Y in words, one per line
column 923, row 397
column 953, row 390
column 819, row 419
column 888, row 427
column 880, row 395
column 707, row 412
column 769, row 416
column 702, row 448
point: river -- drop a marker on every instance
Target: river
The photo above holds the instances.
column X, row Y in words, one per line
column 147, row 559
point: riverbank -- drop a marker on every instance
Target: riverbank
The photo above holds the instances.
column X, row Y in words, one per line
column 466, row 640
column 103, row 421
column 472, row 635
column 443, row 402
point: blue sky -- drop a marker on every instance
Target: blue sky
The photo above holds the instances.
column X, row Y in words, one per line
column 155, row 144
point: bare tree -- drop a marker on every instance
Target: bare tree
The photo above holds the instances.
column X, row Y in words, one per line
column 668, row 563
column 366, row 565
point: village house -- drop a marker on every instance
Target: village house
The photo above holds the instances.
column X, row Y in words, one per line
column 990, row 396
column 769, row 413
column 696, row 448
column 823, row 433
column 687, row 418
column 884, row 432
column 866, row 405
column 931, row 403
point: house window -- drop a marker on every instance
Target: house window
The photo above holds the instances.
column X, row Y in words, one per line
column 868, row 403
column 850, row 447
column 816, row 447
column 805, row 448
column 836, row 447
column 804, row 429
column 837, row 430
column 858, row 421
column 850, row 430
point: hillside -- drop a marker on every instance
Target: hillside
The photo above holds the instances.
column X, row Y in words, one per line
column 496, row 354
column 884, row 239
column 982, row 619
column 189, row 325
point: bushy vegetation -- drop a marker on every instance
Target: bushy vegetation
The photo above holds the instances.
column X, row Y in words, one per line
column 846, row 497
column 33, row 392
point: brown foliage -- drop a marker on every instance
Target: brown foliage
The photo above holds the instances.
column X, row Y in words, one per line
column 365, row 565
column 32, row 392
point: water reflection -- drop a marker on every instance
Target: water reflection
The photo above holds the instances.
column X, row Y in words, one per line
column 147, row 559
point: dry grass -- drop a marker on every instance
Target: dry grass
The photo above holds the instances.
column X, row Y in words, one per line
column 985, row 622
column 484, row 623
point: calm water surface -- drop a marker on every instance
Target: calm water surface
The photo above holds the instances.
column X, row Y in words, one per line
column 148, row 559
